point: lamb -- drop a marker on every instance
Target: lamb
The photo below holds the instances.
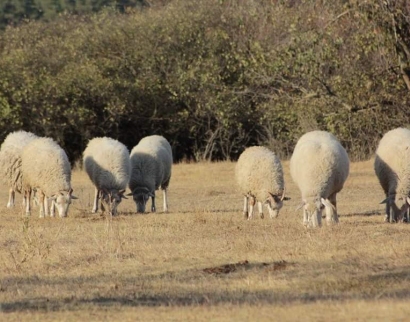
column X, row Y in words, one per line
column 45, row 168
column 107, row 163
column 151, row 162
column 10, row 162
column 259, row 175
column 319, row 166
column 392, row 167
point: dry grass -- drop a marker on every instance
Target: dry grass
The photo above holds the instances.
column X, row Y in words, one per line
column 176, row 266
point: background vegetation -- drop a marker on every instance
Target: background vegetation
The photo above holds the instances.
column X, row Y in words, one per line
column 212, row 76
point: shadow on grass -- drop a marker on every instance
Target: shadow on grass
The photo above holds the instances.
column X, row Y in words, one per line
column 135, row 297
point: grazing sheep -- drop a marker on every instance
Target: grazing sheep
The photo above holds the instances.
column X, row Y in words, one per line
column 259, row 175
column 10, row 162
column 392, row 167
column 319, row 166
column 107, row 163
column 45, row 168
column 151, row 162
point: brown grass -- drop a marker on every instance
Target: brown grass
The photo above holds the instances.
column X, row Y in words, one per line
column 204, row 262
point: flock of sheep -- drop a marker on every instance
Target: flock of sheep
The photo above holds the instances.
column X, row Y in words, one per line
column 34, row 164
column 319, row 166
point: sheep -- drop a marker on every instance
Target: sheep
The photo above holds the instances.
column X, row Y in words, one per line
column 319, row 166
column 10, row 162
column 392, row 167
column 45, row 168
column 151, row 162
column 107, row 163
column 259, row 175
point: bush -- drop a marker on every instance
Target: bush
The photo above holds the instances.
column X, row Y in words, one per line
column 212, row 76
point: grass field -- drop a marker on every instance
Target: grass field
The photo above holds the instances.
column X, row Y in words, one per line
column 203, row 261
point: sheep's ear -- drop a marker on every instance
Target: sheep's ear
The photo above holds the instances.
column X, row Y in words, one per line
column 286, row 198
column 121, row 193
column 408, row 200
column 129, row 194
column 74, row 197
column 385, row 200
column 152, row 195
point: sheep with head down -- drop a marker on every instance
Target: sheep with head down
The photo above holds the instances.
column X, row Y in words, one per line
column 46, row 169
column 392, row 167
column 319, row 166
column 10, row 162
column 107, row 163
column 151, row 163
column 259, row 175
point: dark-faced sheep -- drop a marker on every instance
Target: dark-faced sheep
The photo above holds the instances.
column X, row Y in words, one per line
column 151, row 163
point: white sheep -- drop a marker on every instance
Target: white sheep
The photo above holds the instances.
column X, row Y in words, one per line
column 319, row 166
column 45, row 168
column 151, row 162
column 392, row 167
column 107, row 163
column 10, row 162
column 259, row 175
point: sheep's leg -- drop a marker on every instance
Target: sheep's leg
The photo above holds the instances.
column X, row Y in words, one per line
column 316, row 219
column 12, row 194
column 95, row 205
column 245, row 206
column 331, row 213
column 27, row 194
column 260, row 209
column 305, row 217
column 41, row 201
column 251, row 205
column 52, row 208
column 45, row 206
column 387, row 216
column 153, row 203
column 164, row 193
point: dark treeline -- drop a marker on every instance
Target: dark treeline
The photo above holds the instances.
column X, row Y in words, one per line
column 13, row 12
column 212, row 76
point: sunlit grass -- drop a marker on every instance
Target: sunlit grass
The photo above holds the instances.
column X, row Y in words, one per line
column 165, row 266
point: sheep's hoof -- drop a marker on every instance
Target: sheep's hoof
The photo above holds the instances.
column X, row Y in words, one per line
column 245, row 214
column 262, row 216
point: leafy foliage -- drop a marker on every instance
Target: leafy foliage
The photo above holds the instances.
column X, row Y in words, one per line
column 212, row 76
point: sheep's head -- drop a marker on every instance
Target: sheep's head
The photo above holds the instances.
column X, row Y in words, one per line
column 141, row 196
column 398, row 206
column 110, row 199
column 62, row 201
column 274, row 203
column 313, row 211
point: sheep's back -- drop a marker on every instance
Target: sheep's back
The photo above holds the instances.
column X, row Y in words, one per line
column 319, row 164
